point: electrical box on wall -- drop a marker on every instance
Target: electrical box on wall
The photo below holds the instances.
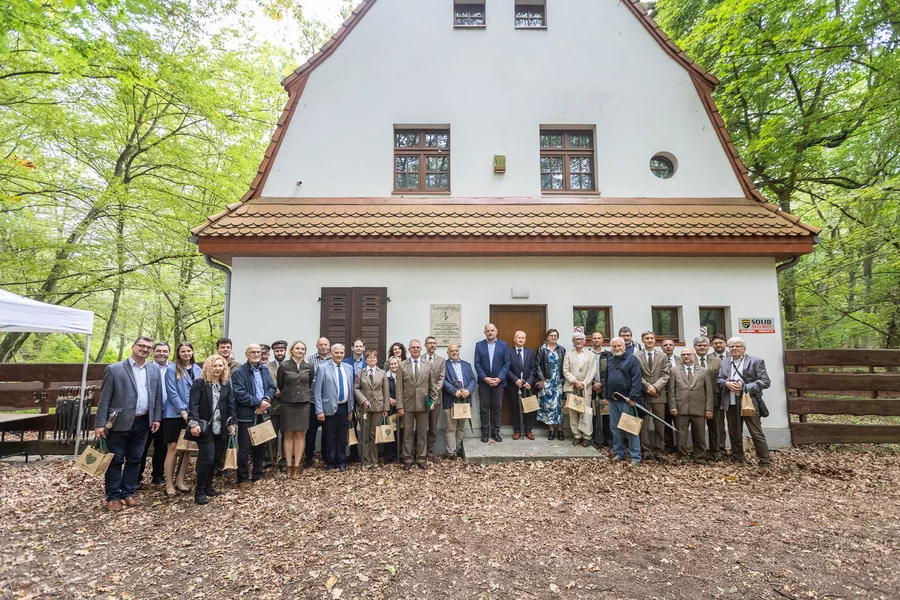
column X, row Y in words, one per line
column 499, row 163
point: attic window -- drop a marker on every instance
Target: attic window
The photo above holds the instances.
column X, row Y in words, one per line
column 531, row 15
column 663, row 165
column 469, row 14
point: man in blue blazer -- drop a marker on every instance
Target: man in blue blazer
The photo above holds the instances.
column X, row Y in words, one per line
column 458, row 386
column 333, row 397
column 492, row 366
column 520, row 378
column 253, row 393
column 132, row 390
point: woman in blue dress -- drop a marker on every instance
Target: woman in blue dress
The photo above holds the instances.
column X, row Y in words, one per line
column 179, row 377
column 549, row 379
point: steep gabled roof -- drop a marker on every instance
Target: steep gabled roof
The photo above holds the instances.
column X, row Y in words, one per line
column 703, row 81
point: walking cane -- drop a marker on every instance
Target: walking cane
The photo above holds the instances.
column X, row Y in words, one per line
column 622, row 398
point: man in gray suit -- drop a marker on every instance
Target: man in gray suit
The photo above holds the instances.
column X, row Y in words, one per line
column 655, row 381
column 131, row 390
column 334, row 402
column 691, row 403
column 438, row 367
column 738, row 372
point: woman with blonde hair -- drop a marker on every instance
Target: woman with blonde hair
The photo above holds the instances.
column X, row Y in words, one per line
column 180, row 376
column 294, row 380
column 211, row 419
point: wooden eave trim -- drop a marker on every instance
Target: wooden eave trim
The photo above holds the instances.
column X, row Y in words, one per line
column 780, row 248
column 494, row 201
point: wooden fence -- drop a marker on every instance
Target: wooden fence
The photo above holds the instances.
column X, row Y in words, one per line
column 843, row 382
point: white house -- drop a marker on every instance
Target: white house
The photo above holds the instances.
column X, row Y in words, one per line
column 535, row 163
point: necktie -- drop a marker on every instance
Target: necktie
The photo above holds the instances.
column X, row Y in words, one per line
column 371, row 375
column 416, row 369
column 519, row 351
column 703, row 361
column 691, row 375
column 649, row 360
column 340, row 383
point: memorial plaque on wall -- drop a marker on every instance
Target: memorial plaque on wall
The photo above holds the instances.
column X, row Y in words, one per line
column 446, row 323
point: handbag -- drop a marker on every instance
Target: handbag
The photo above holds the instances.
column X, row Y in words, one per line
column 575, row 402
column 529, row 403
column 351, row 437
column 231, row 454
column 384, row 433
column 586, row 421
column 262, row 432
column 763, row 409
column 630, row 423
column 461, row 410
column 747, row 408
column 95, row 459
column 185, row 444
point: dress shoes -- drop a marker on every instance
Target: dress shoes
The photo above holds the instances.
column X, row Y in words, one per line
column 560, row 435
column 342, row 469
column 484, row 438
column 552, row 435
column 407, row 467
column 201, row 499
column 131, row 501
column 517, row 435
column 244, row 485
column 158, row 480
column 213, row 493
column 498, row 437
column 529, row 435
column 586, row 443
column 114, row 505
column 423, row 466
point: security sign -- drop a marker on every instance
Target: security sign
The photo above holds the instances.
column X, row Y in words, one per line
column 757, row 325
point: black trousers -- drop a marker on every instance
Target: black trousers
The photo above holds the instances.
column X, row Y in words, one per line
column 246, row 452
column 314, row 425
column 491, row 400
column 335, row 431
column 209, row 447
column 157, row 469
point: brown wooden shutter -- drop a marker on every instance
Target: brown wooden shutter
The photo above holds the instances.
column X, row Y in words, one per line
column 351, row 313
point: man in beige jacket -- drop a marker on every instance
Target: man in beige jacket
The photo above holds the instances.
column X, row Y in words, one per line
column 416, row 379
column 579, row 366
column 655, row 379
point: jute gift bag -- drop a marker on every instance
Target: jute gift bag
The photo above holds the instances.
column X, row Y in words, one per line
column 586, row 420
column 262, row 432
column 747, row 408
column 184, row 444
column 95, row 459
column 575, row 402
column 384, row 433
column 630, row 423
column 529, row 403
column 231, row 454
column 461, row 410
column 392, row 420
column 351, row 437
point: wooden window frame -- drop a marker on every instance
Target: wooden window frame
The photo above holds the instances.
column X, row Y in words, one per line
column 567, row 152
column 607, row 321
column 421, row 152
column 676, row 312
column 530, row 5
column 723, row 321
column 483, row 6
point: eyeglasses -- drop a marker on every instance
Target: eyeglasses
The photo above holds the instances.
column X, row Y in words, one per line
column 144, row 346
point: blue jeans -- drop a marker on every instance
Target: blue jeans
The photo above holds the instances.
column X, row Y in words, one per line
column 127, row 447
column 634, row 441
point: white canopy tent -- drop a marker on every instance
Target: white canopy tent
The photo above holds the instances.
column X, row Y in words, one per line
column 26, row 315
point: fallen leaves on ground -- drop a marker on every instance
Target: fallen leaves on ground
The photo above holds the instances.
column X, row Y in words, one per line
column 818, row 524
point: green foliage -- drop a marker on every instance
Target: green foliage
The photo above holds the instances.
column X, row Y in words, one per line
column 811, row 94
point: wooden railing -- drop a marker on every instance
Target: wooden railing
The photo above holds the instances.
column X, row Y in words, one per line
column 843, row 382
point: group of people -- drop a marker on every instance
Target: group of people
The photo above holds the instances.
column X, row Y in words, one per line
column 156, row 403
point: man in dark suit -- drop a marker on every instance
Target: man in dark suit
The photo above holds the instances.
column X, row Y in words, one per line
column 691, row 403
column 458, row 386
column 492, row 366
column 131, row 389
column 253, row 393
column 161, row 352
column 740, row 372
column 715, row 424
column 602, row 430
column 520, row 379
column 334, row 400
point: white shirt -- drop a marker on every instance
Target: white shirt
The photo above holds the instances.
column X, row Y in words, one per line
column 457, row 368
column 737, row 368
column 490, row 346
column 143, row 390
column 162, row 378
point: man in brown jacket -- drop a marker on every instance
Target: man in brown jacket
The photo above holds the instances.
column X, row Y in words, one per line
column 416, row 380
column 655, row 380
column 691, row 402
column 715, row 425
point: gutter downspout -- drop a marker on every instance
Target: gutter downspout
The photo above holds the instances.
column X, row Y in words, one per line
column 225, row 269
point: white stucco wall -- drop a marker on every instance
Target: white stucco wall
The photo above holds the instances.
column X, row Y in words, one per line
column 405, row 64
column 278, row 298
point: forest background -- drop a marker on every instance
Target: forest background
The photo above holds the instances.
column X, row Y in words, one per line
column 123, row 123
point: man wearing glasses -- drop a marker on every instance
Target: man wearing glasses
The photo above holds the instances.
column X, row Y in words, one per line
column 130, row 408
column 253, row 393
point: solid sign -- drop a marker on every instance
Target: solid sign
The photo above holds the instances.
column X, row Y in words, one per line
column 756, row 325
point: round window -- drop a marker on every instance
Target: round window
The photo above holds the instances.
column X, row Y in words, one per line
column 662, row 166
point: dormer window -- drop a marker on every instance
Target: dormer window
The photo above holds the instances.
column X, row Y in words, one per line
column 469, row 14
column 531, row 14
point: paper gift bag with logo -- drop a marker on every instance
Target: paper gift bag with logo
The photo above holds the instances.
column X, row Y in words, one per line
column 461, row 410
column 262, row 431
column 392, row 421
column 231, row 454
column 351, row 437
column 586, row 420
column 747, row 409
column 95, row 459
column 575, row 402
column 384, row 433
column 630, row 423
column 529, row 402
column 184, row 444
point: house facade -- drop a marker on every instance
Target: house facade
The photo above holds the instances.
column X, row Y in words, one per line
column 537, row 164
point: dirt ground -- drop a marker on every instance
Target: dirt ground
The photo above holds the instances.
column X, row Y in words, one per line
column 818, row 524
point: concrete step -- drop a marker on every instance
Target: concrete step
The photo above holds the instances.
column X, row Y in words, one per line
column 510, row 450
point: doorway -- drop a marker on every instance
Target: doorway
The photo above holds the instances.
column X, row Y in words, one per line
column 509, row 318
